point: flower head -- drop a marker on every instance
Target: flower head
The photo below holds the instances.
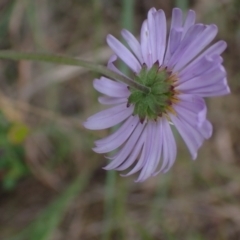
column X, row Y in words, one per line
column 179, row 70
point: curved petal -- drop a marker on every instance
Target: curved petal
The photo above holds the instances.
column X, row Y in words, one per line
column 200, row 67
column 123, row 135
column 214, row 50
column 114, row 135
column 190, row 135
column 196, row 46
column 145, row 48
column 206, row 129
column 111, row 88
column 152, row 34
column 133, row 44
column 169, row 148
column 112, row 67
column 215, row 77
column 189, row 40
column 109, row 117
column 177, row 25
column 161, row 35
column 190, row 20
column 111, row 100
column 123, row 53
column 126, row 150
column 140, row 163
column 138, row 150
column 152, row 158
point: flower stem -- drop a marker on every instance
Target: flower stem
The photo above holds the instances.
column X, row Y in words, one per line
column 65, row 60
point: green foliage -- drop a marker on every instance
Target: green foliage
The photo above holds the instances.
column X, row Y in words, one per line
column 12, row 166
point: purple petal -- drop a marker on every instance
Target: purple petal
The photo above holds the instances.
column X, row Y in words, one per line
column 133, row 44
column 200, row 67
column 109, row 117
column 126, row 150
column 213, row 77
column 123, row 53
column 111, row 88
column 134, row 155
column 213, row 90
column 185, row 44
column 152, row 34
column 153, row 155
column 197, row 45
column 191, row 136
column 145, row 44
column 169, row 148
column 177, row 25
column 123, row 135
column 111, row 100
column 161, row 34
column 214, row 50
column 142, row 159
column 190, row 20
column 112, row 67
column 194, row 119
column 206, row 129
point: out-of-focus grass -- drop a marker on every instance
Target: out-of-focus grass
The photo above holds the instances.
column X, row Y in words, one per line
column 45, row 225
column 195, row 200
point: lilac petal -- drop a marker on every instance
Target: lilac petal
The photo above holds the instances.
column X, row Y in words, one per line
column 190, row 20
column 191, row 136
column 118, row 141
column 123, row 53
column 175, row 35
column 175, row 24
column 191, row 102
column 215, row 49
column 185, row 44
column 197, row 45
column 145, row 48
column 169, row 148
column 193, row 110
column 123, row 154
column 196, row 120
column 142, row 158
column 111, row 66
column 109, row 117
column 161, row 26
column 153, row 156
column 111, row 88
column 152, row 34
column 111, row 100
column 114, row 135
column 150, row 152
column 213, row 77
column 213, row 90
column 206, row 129
column 134, row 155
column 133, row 44
column 200, row 67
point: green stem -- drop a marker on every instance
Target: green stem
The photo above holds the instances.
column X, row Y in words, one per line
column 183, row 4
column 59, row 59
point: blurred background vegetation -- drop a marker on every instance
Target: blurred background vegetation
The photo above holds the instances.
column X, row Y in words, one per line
column 52, row 184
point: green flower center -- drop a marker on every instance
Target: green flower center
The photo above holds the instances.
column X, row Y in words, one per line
column 156, row 103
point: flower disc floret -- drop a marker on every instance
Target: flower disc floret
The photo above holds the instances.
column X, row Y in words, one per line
column 157, row 102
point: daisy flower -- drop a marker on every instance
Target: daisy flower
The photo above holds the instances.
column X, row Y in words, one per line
column 179, row 69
